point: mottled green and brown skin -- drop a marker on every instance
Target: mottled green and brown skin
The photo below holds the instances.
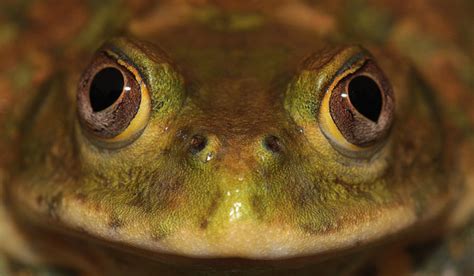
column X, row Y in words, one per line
column 268, row 192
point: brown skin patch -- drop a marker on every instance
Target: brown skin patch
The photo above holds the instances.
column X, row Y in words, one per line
column 39, row 200
column 353, row 189
column 156, row 190
column 138, row 200
column 81, row 197
column 326, row 229
column 115, row 223
column 158, row 235
column 211, row 211
column 53, row 206
column 258, row 206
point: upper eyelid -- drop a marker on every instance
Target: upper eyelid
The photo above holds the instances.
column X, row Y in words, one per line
column 361, row 56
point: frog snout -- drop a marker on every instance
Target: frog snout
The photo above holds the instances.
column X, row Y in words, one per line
column 207, row 147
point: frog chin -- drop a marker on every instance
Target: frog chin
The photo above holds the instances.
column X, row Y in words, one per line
column 247, row 239
column 232, row 236
column 235, row 237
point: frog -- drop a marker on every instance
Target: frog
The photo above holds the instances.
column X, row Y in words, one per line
column 234, row 138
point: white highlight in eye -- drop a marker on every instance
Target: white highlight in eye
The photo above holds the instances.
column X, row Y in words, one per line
column 344, row 95
column 235, row 211
column 127, row 88
column 209, row 157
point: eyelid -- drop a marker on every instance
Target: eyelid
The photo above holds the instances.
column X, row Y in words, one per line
column 349, row 68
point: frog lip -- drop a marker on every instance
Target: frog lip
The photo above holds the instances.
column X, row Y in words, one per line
column 266, row 242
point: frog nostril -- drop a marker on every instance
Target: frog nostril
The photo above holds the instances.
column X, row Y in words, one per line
column 198, row 143
column 272, row 143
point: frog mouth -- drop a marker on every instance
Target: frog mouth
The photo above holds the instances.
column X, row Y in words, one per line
column 235, row 236
column 244, row 239
column 234, row 230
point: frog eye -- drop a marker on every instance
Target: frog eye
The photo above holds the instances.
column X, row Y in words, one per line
column 358, row 108
column 113, row 102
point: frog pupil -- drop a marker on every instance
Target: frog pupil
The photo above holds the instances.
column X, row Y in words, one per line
column 366, row 97
column 106, row 88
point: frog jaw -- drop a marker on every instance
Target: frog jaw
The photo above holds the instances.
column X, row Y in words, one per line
column 237, row 235
column 233, row 231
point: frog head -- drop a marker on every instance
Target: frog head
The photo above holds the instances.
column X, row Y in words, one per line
column 237, row 145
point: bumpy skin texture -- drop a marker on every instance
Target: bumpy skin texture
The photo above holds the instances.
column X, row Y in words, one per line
column 268, row 187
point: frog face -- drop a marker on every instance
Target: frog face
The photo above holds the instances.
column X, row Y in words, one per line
column 235, row 144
